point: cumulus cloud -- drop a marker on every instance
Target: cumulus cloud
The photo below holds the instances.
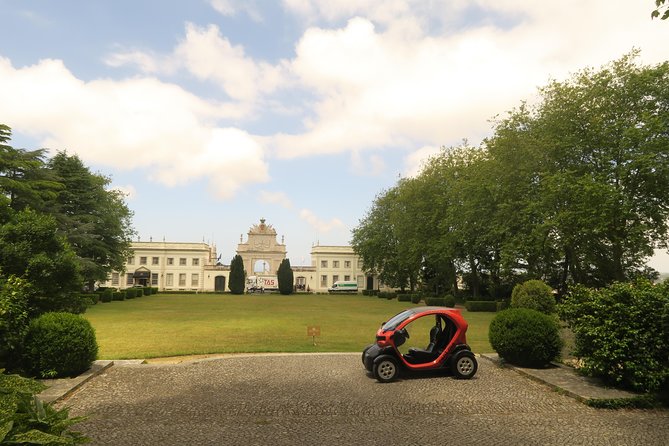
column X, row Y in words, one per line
column 320, row 225
column 127, row 190
column 209, row 56
column 415, row 161
column 135, row 123
column 230, row 8
column 380, row 81
column 279, row 198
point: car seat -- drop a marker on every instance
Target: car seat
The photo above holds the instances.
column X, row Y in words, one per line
column 417, row 356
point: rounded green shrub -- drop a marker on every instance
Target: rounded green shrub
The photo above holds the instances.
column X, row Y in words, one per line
column 525, row 337
column 58, row 345
column 107, row 295
column 533, row 294
column 404, row 297
column 416, row 298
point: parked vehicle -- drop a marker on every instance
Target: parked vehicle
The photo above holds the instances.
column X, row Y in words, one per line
column 447, row 347
column 344, row 286
column 256, row 284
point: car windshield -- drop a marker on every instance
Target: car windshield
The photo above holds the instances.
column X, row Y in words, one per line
column 396, row 320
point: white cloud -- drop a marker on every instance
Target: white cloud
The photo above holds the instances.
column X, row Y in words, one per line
column 372, row 165
column 230, row 8
column 320, row 225
column 211, row 57
column 279, row 198
column 135, row 123
column 415, row 161
column 128, row 191
column 381, row 82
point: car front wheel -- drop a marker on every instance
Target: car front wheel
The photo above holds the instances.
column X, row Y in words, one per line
column 386, row 369
column 464, row 364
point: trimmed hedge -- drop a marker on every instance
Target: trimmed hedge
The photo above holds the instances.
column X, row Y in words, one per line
column 525, row 337
column 404, row 297
column 481, row 305
column 118, row 295
column 107, row 295
column 416, row 298
column 443, row 301
column 58, row 345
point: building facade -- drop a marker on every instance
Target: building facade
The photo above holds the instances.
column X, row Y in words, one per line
column 174, row 266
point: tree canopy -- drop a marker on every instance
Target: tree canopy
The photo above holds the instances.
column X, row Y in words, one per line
column 573, row 189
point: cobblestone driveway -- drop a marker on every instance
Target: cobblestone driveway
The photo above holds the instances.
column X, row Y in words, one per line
column 328, row 399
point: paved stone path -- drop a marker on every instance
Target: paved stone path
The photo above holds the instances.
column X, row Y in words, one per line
column 330, row 400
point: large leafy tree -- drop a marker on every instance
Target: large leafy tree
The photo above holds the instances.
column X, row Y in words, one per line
column 285, row 277
column 237, row 275
column 95, row 220
column 24, row 182
column 33, row 250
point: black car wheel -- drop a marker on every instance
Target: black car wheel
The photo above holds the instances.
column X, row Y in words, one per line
column 386, row 369
column 464, row 364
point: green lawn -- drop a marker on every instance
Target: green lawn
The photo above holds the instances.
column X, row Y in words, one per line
column 171, row 325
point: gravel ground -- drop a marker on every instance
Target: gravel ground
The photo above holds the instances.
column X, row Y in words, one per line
column 329, row 399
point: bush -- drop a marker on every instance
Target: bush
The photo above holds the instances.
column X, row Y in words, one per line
column 93, row 298
column 118, row 295
column 154, row 290
column 443, row 301
column 24, row 419
column 130, row 293
column 404, row 297
column 620, row 335
column 59, row 344
column 146, row 291
column 449, row 301
column 13, row 317
column 416, row 298
column 107, row 295
column 533, row 294
column 481, row 305
column 525, row 337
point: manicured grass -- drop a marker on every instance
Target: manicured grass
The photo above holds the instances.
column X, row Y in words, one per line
column 171, row 325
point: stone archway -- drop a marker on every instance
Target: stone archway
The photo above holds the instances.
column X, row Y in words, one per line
column 261, row 246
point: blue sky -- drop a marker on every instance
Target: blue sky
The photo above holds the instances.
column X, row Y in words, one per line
column 212, row 114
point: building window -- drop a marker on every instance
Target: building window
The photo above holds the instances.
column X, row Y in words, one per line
column 347, row 277
column 182, row 261
column 182, row 279
column 115, row 279
column 335, row 263
column 169, row 279
column 194, row 279
column 324, row 280
column 324, row 263
column 196, row 262
column 170, row 260
column 347, row 263
column 335, row 278
column 154, row 278
column 142, row 260
column 155, row 261
column 131, row 260
column 129, row 279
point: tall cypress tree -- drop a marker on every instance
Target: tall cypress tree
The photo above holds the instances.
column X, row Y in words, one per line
column 237, row 275
column 285, row 277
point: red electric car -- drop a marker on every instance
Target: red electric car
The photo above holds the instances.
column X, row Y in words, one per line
column 442, row 331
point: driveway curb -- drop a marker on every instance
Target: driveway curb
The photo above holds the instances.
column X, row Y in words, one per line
column 61, row 388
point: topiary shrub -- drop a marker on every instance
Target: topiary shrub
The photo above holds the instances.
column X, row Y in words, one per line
column 404, row 297
column 435, row 301
column 533, row 294
column 58, row 345
column 154, row 290
column 525, row 337
column 449, row 301
column 130, row 293
column 416, row 298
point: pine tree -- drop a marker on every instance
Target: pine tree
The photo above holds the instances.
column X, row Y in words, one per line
column 237, row 275
column 285, row 277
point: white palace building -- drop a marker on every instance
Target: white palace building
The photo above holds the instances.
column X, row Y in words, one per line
column 179, row 266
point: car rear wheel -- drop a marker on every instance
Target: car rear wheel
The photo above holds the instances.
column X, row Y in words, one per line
column 464, row 364
column 386, row 369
